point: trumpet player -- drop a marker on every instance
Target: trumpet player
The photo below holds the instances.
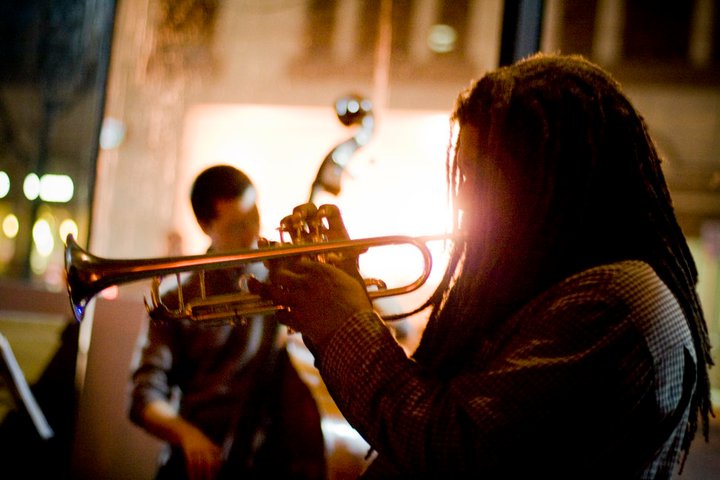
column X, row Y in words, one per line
column 566, row 339
column 225, row 398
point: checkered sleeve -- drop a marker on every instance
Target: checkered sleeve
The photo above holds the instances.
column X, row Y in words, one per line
column 601, row 353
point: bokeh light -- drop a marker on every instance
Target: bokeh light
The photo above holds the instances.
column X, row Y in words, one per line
column 4, row 184
column 43, row 237
column 31, row 186
column 10, row 225
column 442, row 38
column 68, row 227
column 56, row 188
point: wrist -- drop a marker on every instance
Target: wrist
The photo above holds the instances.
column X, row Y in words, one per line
column 318, row 341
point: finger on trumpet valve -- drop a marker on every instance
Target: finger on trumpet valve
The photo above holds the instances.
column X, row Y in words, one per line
column 286, row 226
column 303, row 230
column 317, row 230
column 306, row 224
column 293, row 227
column 267, row 243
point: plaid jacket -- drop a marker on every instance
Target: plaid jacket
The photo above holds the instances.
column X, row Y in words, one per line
column 591, row 379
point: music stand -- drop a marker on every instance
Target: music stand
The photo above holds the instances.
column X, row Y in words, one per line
column 21, row 393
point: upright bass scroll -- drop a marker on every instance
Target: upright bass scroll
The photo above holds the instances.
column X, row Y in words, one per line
column 351, row 110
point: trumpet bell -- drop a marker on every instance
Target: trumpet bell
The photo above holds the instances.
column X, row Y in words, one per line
column 82, row 277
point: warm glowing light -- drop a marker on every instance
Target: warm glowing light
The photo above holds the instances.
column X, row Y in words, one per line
column 38, row 263
column 442, row 38
column 68, row 227
column 50, row 188
column 31, row 186
column 4, row 184
column 10, row 225
column 394, row 185
column 56, row 188
column 110, row 293
column 43, row 237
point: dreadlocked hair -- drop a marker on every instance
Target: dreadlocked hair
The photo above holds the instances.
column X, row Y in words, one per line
column 564, row 126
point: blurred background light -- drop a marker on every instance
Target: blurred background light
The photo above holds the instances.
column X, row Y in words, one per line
column 110, row 293
column 56, row 188
column 38, row 262
column 112, row 133
column 31, row 186
column 43, row 237
column 442, row 38
column 68, row 227
column 4, row 184
column 10, row 225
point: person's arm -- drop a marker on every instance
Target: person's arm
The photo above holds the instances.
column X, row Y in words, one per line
column 426, row 424
column 574, row 361
column 151, row 409
column 202, row 457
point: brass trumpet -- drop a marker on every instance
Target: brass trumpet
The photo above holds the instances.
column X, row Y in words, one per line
column 87, row 275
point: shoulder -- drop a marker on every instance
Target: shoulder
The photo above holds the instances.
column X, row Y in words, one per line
column 631, row 284
column 626, row 278
column 610, row 299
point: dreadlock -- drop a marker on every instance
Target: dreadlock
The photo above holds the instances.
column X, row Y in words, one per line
column 564, row 125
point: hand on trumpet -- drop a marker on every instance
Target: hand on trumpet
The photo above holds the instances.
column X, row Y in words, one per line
column 319, row 295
